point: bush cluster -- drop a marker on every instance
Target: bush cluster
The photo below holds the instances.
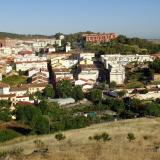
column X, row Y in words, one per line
column 8, row 134
column 59, row 137
column 101, row 137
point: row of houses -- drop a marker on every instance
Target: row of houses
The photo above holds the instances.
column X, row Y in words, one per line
column 20, row 93
column 14, row 46
column 38, row 76
column 61, row 64
column 88, row 75
column 27, row 60
column 35, row 65
column 64, row 66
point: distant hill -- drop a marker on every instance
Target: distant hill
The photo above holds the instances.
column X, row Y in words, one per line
column 21, row 36
column 156, row 41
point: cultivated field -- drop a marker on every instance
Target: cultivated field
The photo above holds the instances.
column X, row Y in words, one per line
column 77, row 146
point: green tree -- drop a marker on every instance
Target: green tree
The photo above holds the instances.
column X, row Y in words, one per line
column 27, row 114
column 155, row 65
column 95, row 95
column 5, row 112
column 38, row 95
column 49, row 91
column 77, row 93
column 112, row 85
column 153, row 109
column 64, row 88
column 116, row 105
column 44, row 107
column 41, row 125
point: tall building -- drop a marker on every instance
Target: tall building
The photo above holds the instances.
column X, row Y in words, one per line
column 97, row 38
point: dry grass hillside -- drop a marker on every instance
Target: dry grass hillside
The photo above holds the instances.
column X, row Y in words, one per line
column 77, row 146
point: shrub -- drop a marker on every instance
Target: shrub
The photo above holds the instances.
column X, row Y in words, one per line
column 90, row 137
column 156, row 146
column 105, row 137
column 16, row 152
column 130, row 137
column 100, row 137
column 136, row 84
column 38, row 143
column 97, row 137
column 146, row 137
column 6, row 135
column 59, row 137
column 143, row 91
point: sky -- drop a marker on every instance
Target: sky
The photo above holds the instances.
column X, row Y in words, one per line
column 134, row 18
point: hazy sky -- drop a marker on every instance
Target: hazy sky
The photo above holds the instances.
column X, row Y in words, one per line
column 130, row 17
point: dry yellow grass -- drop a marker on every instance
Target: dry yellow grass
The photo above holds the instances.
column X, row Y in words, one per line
column 76, row 146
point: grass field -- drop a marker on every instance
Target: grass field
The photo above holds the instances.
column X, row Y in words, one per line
column 77, row 146
column 15, row 80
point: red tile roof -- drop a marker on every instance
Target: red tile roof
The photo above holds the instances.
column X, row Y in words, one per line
column 31, row 62
column 7, row 95
column 3, row 85
column 25, row 52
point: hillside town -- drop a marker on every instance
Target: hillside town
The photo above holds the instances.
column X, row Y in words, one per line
column 40, row 63
column 79, row 80
column 66, row 82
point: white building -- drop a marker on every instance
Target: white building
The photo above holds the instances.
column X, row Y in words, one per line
column 117, row 74
column 39, row 78
column 85, row 84
column 22, row 99
column 42, row 43
column 4, row 88
column 124, row 59
column 24, row 66
column 28, row 56
column 51, row 49
column 18, row 91
column 88, row 72
column 62, row 74
column 61, row 37
column 68, row 47
column 8, row 69
column 115, row 63
column 5, row 51
column 63, row 62
column 87, row 55
column 33, row 71
column 29, row 60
